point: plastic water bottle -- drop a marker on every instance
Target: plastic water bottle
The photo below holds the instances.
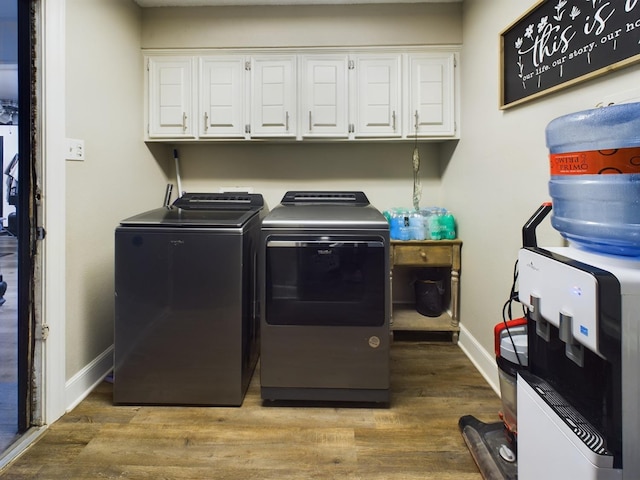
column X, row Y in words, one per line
column 399, row 228
column 416, row 226
column 595, row 178
column 448, row 226
column 435, row 232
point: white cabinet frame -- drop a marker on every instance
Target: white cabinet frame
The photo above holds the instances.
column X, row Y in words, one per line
column 376, row 91
column 273, row 96
column 324, row 96
column 222, row 97
column 171, row 98
column 431, row 105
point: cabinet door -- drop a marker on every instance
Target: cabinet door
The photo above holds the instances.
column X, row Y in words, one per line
column 273, row 96
column 222, row 97
column 377, row 97
column 324, row 93
column 431, row 109
column 171, row 97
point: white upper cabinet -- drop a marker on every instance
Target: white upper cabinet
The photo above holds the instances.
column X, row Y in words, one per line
column 324, row 108
column 388, row 93
column 377, row 95
column 222, row 97
column 171, row 97
column 273, row 96
column 431, row 102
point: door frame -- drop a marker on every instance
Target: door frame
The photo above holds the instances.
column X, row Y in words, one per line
column 53, row 126
column 41, row 302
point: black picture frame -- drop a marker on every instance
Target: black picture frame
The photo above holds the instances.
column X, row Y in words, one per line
column 559, row 43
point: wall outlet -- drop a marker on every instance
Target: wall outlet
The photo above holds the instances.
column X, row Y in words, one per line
column 75, row 149
column 235, row 189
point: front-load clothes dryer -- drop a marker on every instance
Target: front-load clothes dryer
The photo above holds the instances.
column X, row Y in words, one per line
column 186, row 325
column 325, row 313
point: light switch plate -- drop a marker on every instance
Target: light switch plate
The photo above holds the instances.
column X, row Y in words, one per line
column 75, row 149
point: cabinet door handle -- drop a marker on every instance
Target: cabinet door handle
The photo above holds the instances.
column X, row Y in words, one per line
column 393, row 120
column 286, row 121
column 184, row 121
column 310, row 124
column 416, row 124
column 206, row 121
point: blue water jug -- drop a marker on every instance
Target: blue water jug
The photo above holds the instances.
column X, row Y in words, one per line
column 595, row 178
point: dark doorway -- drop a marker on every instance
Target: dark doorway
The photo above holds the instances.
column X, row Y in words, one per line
column 9, row 139
column 16, row 266
column 25, row 209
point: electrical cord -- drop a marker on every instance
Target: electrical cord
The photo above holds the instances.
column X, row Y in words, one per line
column 417, row 187
column 507, row 314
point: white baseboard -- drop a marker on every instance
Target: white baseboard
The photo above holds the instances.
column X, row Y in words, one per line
column 484, row 361
column 82, row 383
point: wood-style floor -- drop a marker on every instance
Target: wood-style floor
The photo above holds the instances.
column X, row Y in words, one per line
column 417, row 437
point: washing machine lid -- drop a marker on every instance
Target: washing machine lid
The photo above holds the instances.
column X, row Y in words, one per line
column 220, row 201
column 341, row 198
column 202, row 210
column 304, row 209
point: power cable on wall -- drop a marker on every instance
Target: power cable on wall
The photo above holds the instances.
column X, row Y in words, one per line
column 417, row 187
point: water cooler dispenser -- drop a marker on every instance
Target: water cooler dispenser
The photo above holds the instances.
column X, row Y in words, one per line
column 578, row 402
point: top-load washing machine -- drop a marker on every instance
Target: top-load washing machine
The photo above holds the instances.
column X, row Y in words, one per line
column 186, row 326
column 325, row 304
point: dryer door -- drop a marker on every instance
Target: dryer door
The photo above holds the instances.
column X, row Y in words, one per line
column 328, row 280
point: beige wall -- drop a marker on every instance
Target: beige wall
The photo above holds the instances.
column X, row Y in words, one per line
column 295, row 26
column 119, row 176
column 122, row 176
column 382, row 170
column 497, row 175
column 492, row 179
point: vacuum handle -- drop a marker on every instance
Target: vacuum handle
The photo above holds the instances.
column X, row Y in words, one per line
column 167, row 195
column 529, row 230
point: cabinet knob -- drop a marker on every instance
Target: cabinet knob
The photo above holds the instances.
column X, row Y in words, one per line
column 423, row 255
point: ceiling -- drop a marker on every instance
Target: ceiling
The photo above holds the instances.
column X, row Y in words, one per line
column 208, row 3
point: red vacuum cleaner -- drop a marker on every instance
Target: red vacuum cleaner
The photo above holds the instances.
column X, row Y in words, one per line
column 494, row 446
column 511, row 355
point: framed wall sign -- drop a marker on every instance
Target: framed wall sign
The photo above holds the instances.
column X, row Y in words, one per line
column 559, row 43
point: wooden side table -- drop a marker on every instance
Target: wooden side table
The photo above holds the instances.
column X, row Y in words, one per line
column 421, row 254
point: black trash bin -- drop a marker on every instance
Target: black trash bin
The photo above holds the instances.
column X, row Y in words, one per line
column 430, row 292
